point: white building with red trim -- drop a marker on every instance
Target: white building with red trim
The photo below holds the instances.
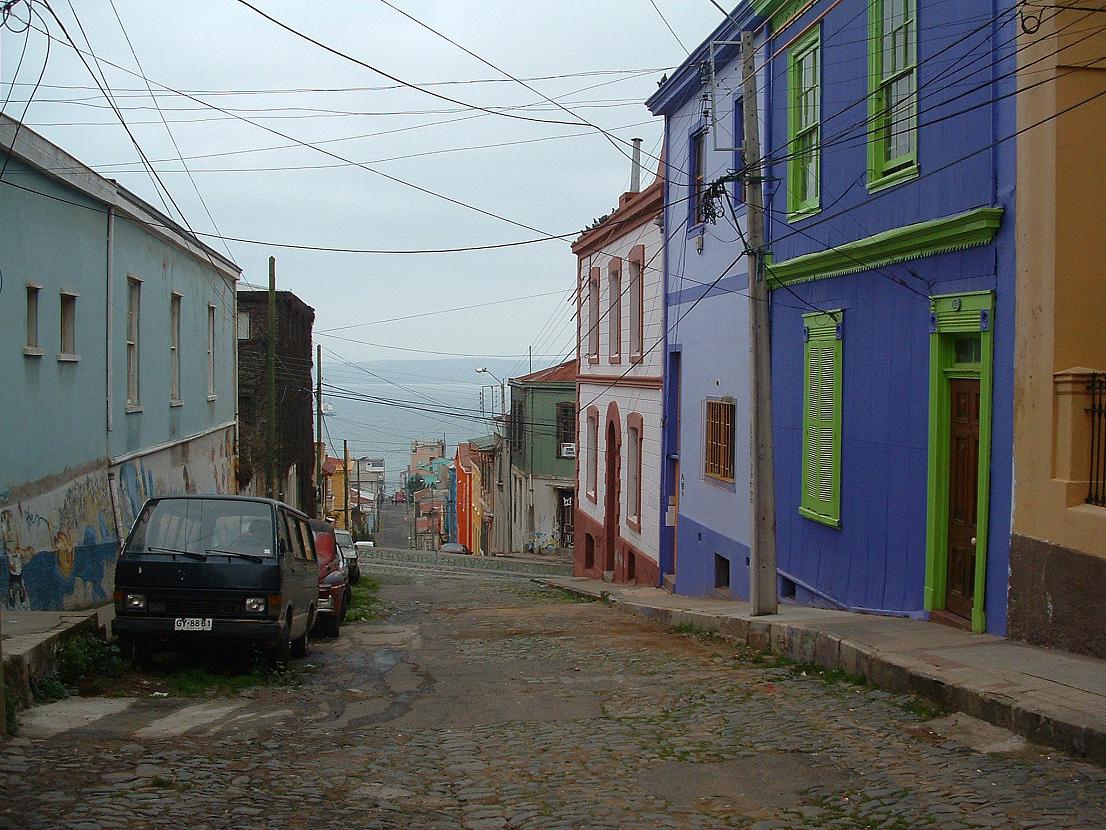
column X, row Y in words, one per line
column 620, row 349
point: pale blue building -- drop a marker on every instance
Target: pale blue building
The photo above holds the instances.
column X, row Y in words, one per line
column 118, row 363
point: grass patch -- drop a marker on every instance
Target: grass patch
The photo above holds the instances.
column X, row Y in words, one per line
column 49, row 689
column 192, row 676
column 920, row 708
column 88, row 657
column 365, row 604
column 700, row 634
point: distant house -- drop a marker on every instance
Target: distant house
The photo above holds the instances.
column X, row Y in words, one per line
column 620, row 357
column 117, row 358
column 294, row 476
column 543, row 458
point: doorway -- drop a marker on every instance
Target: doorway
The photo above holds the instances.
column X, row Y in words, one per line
column 960, row 385
column 612, row 496
column 963, row 503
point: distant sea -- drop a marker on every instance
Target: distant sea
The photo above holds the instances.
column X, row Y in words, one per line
column 412, row 400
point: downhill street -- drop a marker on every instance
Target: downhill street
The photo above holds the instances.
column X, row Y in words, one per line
column 485, row 701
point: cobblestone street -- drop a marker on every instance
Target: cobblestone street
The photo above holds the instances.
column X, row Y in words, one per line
column 485, row 701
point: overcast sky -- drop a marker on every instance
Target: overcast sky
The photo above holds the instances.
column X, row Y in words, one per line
column 555, row 186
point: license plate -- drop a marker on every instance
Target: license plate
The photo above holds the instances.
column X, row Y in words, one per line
column 192, row 624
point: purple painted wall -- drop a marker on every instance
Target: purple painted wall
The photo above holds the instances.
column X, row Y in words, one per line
column 876, row 559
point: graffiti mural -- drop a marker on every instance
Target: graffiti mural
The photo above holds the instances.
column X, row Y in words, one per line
column 59, row 549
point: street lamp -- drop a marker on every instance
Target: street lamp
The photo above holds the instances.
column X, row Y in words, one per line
column 502, row 390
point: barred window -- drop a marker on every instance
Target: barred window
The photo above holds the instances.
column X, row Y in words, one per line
column 719, row 450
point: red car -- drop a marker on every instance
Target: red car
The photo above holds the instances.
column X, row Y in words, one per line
column 334, row 593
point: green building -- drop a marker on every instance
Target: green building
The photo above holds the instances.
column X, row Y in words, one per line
column 542, row 450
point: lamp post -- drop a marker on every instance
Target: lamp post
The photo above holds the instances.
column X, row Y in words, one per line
column 510, row 470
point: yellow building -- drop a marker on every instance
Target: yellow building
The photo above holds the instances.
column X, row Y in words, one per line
column 477, row 496
column 1058, row 544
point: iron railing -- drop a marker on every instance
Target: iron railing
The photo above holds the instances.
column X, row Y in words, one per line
column 1096, row 386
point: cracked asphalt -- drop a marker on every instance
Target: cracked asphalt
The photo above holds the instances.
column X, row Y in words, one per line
column 484, row 701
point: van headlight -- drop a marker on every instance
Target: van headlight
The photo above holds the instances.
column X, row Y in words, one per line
column 135, row 602
column 255, row 605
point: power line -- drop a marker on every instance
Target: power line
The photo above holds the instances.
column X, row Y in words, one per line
column 668, row 26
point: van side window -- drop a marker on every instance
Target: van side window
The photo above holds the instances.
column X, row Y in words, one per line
column 297, row 543
column 308, row 540
column 282, row 531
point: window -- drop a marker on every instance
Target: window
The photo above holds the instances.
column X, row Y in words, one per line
column 636, row 292
column 593, row 452
column 696, row 163
column 821, row 495
column 174, row 348
column 633, row 471
column 804, row 125
column 32, row 320
column 614, row 311
column 243, row 325
column 68, row 324
column 593, row 313
column 566, row 430
column 134, row 302
column 518, row 425
column 211, row 351
column 893, row 93
column 719, row 450
column 308, row 540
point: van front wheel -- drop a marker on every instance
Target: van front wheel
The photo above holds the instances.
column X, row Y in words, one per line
column 283, row 649
column 301, row 645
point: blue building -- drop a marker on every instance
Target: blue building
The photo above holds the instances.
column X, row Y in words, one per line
column 889, row 194
column 117, row 356
column 705, row 533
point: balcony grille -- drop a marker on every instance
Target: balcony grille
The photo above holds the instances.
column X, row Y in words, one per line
column 1096, row 386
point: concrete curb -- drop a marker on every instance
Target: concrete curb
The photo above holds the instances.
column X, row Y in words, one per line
column 1042, row 721
column 31, row 656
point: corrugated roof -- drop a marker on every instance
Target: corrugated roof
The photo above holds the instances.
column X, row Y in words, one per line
column 563, row 373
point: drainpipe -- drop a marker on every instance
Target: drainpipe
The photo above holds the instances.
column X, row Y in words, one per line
column 108, row 319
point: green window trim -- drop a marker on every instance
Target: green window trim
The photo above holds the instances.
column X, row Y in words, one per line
column 936, row 236
column 804, row 125
column 821, row 481
column 953, row 316
column 892, row 71
column 780, row 12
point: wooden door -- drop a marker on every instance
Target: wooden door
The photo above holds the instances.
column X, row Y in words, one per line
column 963, row 481
column 674, row 502
column 612, row 492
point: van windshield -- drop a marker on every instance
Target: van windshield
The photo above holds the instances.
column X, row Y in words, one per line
column 197, row 527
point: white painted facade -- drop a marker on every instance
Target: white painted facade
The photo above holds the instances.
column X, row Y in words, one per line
column 620, row 375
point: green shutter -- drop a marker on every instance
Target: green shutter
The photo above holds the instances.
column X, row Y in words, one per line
column 821, row 487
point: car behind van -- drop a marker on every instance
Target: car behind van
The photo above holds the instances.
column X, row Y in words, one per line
column 231, row 569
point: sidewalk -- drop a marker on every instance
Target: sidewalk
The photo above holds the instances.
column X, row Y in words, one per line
column 31, row 640
column 1052, row 697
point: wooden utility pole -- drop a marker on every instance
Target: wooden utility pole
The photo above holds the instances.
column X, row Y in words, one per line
column 762, row 576
column 345, row 476
column 360, row 509
column 270, row 386
column 320, row 446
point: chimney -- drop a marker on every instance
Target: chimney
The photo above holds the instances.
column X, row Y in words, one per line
column 635, row 172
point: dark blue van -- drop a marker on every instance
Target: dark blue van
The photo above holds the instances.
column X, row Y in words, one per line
column 233, row 569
